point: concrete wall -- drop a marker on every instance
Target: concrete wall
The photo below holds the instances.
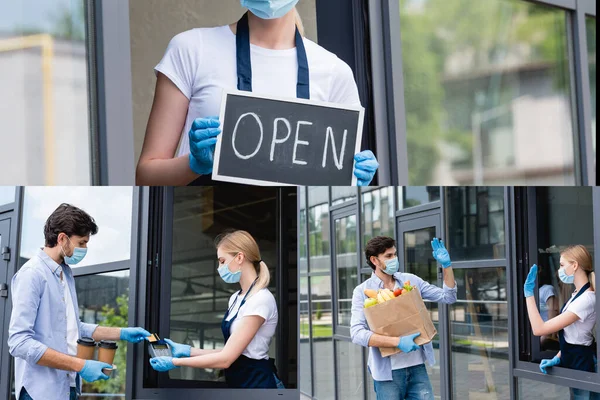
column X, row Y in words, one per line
column 154, row 22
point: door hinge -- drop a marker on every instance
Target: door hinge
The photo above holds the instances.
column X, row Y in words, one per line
column 3, row 290
column 6, row 253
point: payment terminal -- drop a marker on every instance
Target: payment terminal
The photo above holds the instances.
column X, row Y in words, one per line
column 158, row 347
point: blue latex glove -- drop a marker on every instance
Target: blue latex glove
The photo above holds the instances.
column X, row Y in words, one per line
column 92, row 371
column 365, row 168
column 162, row 364
column 529, row 286
column 440, row 253
column 203, row 139
column 407, row 343
column 178, row 349
column 134, row 335
column 549, row 363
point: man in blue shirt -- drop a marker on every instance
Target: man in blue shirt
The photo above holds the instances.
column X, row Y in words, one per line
column 44, row 324
column 403, row 375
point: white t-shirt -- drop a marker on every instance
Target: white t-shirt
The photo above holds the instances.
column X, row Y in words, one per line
column 72, row 329
column 262, row 304
column 580, row 332
column 202, row 62
column 546, row 291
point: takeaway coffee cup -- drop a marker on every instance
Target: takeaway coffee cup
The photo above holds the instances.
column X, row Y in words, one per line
column 85, row 348
column 106, row 353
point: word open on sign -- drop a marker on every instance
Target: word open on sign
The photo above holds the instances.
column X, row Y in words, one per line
column 293, row 142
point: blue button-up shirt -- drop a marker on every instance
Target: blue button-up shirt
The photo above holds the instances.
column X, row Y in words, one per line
column 38, row 322
column 381, row 367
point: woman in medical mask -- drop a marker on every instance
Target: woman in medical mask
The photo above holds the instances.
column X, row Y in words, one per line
column 248, row 325
column 575, row 323
column 263, row 53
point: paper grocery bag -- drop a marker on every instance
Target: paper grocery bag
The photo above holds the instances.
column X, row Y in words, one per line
column 401, row 316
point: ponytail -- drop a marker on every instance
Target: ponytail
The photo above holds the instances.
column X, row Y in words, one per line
column 264, row 277
column 299, row 22
column 592, row 279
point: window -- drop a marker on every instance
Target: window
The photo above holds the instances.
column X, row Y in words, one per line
column 322, row 333
column 305, row 348
column 412, row 196
column 103, row 299
column 481, row 79
column 476, row 223
column 44, row 122
column 591, row 42
column 347, row 270
column 377, row 213
column 302, row 246
column 349, row 374
column 530, row 389
column 342, row 194
column 318, row 228
column 7, row 195
column 479, row 333
column 111, row 208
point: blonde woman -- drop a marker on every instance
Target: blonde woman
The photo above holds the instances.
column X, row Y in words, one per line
column 264, row 52
column 576, row 321
column 248, row 325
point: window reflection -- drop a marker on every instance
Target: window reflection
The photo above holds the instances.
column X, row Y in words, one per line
column 479, row 334
column 347, row 270
column 412, row 196
column 7, row 195
column 305, row 353
column 378, row 213
column 476, row 223
column 318, row 228
column 103, row 299
column 302, row 247
column 485, row 82
column 349, row 374
column 45, row 117
column 342, row 194
column 530, row 389
column 322, row 333
column 591, row 42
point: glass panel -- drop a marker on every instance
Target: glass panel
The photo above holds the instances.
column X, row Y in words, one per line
column 412, row 196
column 7, row 194
column 110, row 207
column 564, row 217
column 347, row 270
column 349, row 374
column 305, row 353
column 103, row 299
column 591, row 42
column 302, row 245
column 318, row 228
column 342, row 194
column 530, row 389
column 479, row 334
column 199, row 297
column 322, row 332
column 419, row 261
column 485, row 82
column 45, row 117
column 476, row 223
column 377, row 213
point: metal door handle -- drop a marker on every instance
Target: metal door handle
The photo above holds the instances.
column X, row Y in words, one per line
column 3, row 290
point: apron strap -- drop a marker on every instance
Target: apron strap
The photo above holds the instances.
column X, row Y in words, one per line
column 583, row 289
column 244, row 61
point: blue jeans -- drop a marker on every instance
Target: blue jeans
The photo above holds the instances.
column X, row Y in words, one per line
column 578, row 394
column 410, row 383
column 25, row 396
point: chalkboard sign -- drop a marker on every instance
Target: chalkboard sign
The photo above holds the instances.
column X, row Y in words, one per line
column 271, row 141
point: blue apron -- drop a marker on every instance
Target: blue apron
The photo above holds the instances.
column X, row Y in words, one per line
column 244, row 72
column 245, row 372
column 576, row 356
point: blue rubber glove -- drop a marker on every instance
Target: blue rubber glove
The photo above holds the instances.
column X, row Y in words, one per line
column 179, row 350
column 529, row 286
column 549, row 363
column 203, row 139
column 92, row 371
column 365, row 168
column 440, row 253
column 162, row 364
column 134, row 335
column 407, row 343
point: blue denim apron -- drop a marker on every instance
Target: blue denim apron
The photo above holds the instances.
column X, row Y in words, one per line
column 244, row 72
column 247, row 372
column 575, row 356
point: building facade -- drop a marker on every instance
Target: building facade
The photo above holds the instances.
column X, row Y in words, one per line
column 153, row 264
column 484, row 347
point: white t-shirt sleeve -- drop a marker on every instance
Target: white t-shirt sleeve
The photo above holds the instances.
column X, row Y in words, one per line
column 181, row 60
column 343, row 86
column 546, row 292
column 584, row 306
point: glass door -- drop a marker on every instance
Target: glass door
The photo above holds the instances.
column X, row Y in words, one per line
column 415, row 255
